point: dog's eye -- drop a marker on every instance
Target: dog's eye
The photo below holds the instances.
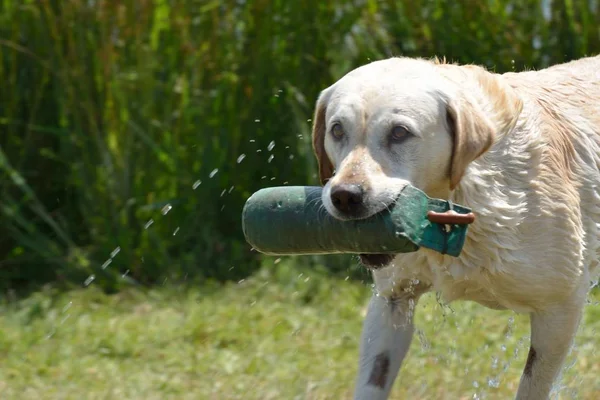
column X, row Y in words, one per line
column 337, row 131
column 399, row 133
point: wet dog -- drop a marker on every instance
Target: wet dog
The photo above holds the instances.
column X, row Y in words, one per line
column 520, row 149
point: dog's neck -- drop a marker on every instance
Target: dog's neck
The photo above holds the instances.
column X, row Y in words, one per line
column 496, row 191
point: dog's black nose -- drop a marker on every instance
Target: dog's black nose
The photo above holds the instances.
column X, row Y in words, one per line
column 347, row 197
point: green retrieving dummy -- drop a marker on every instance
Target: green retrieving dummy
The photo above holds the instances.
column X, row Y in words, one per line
column 292, row 220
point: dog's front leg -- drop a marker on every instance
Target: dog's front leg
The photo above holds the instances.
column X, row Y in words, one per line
column 386, row 337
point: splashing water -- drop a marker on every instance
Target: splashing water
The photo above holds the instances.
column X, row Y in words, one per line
column 116, row 251
column 106, row 263
column 67, row 306
column 494, row 362
column 89, row 280
column 493, row 382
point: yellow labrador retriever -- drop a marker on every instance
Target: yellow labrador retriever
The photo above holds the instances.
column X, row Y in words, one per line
column 521, row 149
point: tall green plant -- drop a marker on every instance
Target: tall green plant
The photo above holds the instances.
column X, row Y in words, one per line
column 132, row 132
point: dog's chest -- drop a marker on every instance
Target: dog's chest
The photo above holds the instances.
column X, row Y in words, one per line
column 523, row 251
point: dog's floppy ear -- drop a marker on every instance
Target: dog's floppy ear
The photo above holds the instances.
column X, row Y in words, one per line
column 477, row 119
column 318, row 138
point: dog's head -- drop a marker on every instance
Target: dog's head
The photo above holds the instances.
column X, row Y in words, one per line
column 405, row 121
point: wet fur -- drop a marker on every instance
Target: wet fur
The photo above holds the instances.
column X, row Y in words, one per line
column 522, row 150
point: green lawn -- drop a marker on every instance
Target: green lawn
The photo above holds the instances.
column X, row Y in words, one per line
column 287, row 333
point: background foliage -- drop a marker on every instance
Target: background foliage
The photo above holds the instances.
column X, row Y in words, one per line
column 132, row 132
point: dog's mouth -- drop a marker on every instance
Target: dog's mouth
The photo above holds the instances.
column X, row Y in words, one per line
column 376, row 261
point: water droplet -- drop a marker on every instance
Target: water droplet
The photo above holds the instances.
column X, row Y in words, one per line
column 277, row 261
column 241, row 158
column 106, row 263
column 271, row 157
column 271, row 145
column 309, row 120
column 259, row 151
column 175, row 231
column 493, row 382
column 291, row 157
column 475, row 384
column 257, row 120
column 125, row 274
column 150, row 222
column 231, row 189
column 263, row 177
column 166, row 209
column 213, row 172
column 89, row 280
column 115, row 252
column 67, row 306
column 196, row 184
column 503, row 347
column 494, row 362
column 424, row 342
column 223, row 192
column 252, row 140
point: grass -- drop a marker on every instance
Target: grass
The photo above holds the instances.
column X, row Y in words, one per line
column 286, row 333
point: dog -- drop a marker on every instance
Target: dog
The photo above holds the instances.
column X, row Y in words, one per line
column 521, row 149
